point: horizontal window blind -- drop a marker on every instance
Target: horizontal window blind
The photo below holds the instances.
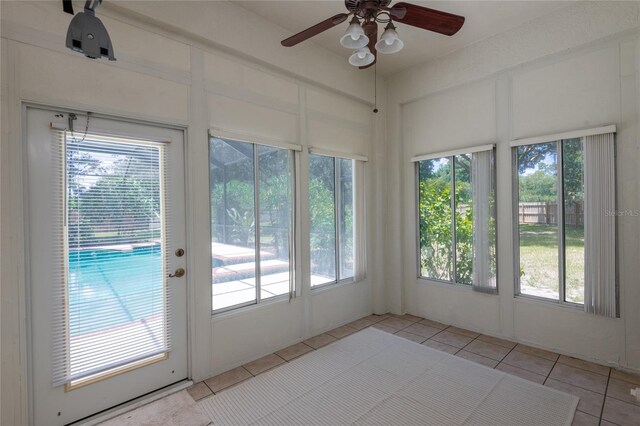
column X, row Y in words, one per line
column 110, row 295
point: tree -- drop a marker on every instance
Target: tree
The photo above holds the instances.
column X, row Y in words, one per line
column 322, row 232
column 540, row 186
column 436, row 256
column 109, row 199
column 531, row 156
column 573, row 170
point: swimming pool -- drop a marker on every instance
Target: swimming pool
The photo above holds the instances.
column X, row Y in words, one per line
column 114, row 288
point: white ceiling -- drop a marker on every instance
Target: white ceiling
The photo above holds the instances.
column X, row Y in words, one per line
column 483, row 19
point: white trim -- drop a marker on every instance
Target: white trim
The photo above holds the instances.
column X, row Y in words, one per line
column 564, row 135
column 469, row 150
column 104, row 135
column 215, row 132
column 329, row 153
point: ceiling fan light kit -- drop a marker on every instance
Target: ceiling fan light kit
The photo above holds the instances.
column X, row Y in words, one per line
column 354, row 37
column 362, row 57
column 362, row 33
column 389, row 41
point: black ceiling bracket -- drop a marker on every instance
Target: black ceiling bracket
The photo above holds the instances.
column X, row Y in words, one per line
column 67, row 6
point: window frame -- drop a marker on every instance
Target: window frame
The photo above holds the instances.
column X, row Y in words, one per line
column 294, row 160
column 560, row 193
column 336, row 214
column 451, row 155
column 558, row 138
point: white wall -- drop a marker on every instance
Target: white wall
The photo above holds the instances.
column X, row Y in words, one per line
column 575, row 69
column 204, row 70
column 193, row 66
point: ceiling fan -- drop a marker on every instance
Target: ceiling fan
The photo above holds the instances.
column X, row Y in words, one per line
column 362, row 33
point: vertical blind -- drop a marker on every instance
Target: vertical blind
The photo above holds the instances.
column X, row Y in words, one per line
column 484, row 235
column 600, row 225
column 453, row 184
column 360, row 220
column 110, row 298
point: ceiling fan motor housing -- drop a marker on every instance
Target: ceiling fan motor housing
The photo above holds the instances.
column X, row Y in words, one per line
column 365, row 8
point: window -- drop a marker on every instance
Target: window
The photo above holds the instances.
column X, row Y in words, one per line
column 551, row 247
column 331, row 217
column 111, row 307
column 564, row 189
column 251, row 222
column 456, row 218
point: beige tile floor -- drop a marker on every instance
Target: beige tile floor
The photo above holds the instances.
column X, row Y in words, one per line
column 604, row 392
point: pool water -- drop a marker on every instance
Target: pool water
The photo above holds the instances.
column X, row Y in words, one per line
column 111, row 288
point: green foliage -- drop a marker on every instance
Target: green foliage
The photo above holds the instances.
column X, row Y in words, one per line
column 275, row 212
column 539, row 186
column 242, row 226
column 123, row 202
column 464, row 243
column 235, row 214
column 436, row 221
column 537, row 166
column 322, row 220
column 573, row 170
column 436, row 256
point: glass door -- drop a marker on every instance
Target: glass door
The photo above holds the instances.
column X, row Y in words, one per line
column 106, row 252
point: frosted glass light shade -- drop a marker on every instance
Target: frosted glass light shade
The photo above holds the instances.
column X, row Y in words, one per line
column 361, row 57
column 389, row 42
column 354, row 37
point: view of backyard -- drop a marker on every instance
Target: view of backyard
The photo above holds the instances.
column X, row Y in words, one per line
column 539, row 261
column 546, row 173
column 235, row 233
column 115, row 288
column 446, row 219
column 250, row 208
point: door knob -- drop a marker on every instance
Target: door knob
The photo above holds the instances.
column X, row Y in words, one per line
column 178, row 273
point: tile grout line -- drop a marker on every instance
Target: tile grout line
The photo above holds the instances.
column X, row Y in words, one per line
column 312, row 349
column 462, row 348
column 504, row 357
column 423, row 341
column 604, row 399
column 549, row 373
column 426, row 339
column 579, row 386
column 205, row 383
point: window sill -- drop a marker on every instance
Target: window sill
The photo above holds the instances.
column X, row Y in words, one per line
column 334, row 285
column 566, row 307
column 445, row 284
column 553, row 304
column 240, row 310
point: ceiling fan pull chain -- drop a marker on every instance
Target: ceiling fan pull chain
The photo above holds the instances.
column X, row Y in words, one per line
column 375, row 88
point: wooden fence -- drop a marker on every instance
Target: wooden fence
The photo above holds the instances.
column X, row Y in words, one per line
column 547, row 213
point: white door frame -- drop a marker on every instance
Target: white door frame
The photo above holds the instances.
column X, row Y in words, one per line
column 27, row 328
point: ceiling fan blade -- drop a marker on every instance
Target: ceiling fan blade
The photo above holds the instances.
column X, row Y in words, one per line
column 315, row 30
column 430, row 19
column 371, row 30
column 397, row 12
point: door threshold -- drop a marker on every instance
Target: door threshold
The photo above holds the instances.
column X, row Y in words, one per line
column 132, row 404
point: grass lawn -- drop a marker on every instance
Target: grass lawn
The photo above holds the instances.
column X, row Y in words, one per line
column 539, row 261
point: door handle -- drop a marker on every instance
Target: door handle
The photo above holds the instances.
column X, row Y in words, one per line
column 178, row 273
